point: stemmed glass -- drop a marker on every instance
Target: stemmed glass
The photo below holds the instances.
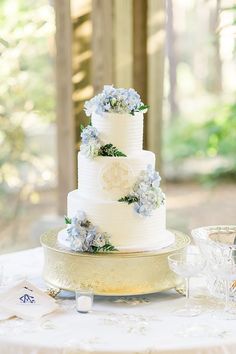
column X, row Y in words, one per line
column 215, row 243
column 225, row 269
column 1, row 275
column 187, row 264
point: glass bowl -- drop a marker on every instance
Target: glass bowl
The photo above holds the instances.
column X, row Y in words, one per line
column 216, row 242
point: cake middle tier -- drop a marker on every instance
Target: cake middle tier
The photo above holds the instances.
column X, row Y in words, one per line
column 110, row 178
column 126, row 228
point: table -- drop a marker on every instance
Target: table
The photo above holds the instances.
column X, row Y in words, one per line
column 143, row 324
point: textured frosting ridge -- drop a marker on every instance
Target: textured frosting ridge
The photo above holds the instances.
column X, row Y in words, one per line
column 127, row 229
column 125, row 131
column 103, row 180
column 110, row 178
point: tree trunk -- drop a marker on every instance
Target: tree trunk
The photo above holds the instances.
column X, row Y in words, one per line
column 65, row 115
column 102, row 44
column 172, row 60
column 215, row 67
column 140, row 53
column 156, row 60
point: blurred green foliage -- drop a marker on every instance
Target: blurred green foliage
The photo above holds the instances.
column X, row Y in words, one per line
column 213, row 137
column 26, row 92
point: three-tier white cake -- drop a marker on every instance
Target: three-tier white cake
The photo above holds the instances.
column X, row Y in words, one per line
column 118, row 188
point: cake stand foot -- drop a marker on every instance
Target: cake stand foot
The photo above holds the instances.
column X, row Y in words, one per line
column 180, row 289
column 53, row 292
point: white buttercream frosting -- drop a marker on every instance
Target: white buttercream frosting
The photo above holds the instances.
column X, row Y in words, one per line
column 124, row 131
column 128, row 229
column 111, row 178
column 103, row 180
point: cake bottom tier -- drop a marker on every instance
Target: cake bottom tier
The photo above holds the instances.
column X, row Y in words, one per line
column 127, row 229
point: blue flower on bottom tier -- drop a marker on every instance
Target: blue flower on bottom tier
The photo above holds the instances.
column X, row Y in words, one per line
column 85, row 237
column 147, row 194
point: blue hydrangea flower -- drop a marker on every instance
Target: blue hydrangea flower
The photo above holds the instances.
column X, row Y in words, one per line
column 142, row 209
column 90, row 142
column 89, row 133
column 83, row 236
column 147, row 192
column 117, row 100
column 89, row 239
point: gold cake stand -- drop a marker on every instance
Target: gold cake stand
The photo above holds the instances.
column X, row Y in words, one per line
column 110, row 274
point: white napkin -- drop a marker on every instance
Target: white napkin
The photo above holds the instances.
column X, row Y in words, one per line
column 26, row 301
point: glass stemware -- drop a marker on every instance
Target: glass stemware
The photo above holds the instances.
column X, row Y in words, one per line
column 225, row 269
column 187, row 264
column 1, row 274
column 214, row 243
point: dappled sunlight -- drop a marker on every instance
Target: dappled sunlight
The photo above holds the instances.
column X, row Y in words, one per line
column 78, row 77
column 156, row 34
column 83, row 57
column 27, row 111
column 83, row 94
column 155, row 41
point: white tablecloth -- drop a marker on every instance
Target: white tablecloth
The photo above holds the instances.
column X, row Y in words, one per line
column 143, row 324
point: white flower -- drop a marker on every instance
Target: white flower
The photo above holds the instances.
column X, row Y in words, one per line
column 81, row 215
column 90, row 142
column 91, row 149
column 156, row 183
column 99, row 240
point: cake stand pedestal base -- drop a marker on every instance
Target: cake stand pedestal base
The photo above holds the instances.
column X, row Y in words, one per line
column 110, row 274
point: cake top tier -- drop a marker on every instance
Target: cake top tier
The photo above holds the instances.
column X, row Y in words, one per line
column 117, row 122
column 124, row 132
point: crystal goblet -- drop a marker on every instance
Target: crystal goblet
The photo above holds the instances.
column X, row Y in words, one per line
column 187, row 264
column 1, row 275
column 224, row 268
column 214, row 243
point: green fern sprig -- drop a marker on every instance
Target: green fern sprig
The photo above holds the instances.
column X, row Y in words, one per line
column 110, row 150
column 106, row 248
column 67, row 220
column 143, row 107
column 129, row 199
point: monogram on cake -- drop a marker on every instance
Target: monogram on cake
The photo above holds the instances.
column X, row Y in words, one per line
column 119, row 205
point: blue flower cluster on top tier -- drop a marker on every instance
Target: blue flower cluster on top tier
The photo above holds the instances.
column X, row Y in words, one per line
column 147, row 194
column 116, row 100
column 85, row 237
column 91, row 143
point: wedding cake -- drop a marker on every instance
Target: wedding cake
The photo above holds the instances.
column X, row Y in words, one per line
column 119, row 205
